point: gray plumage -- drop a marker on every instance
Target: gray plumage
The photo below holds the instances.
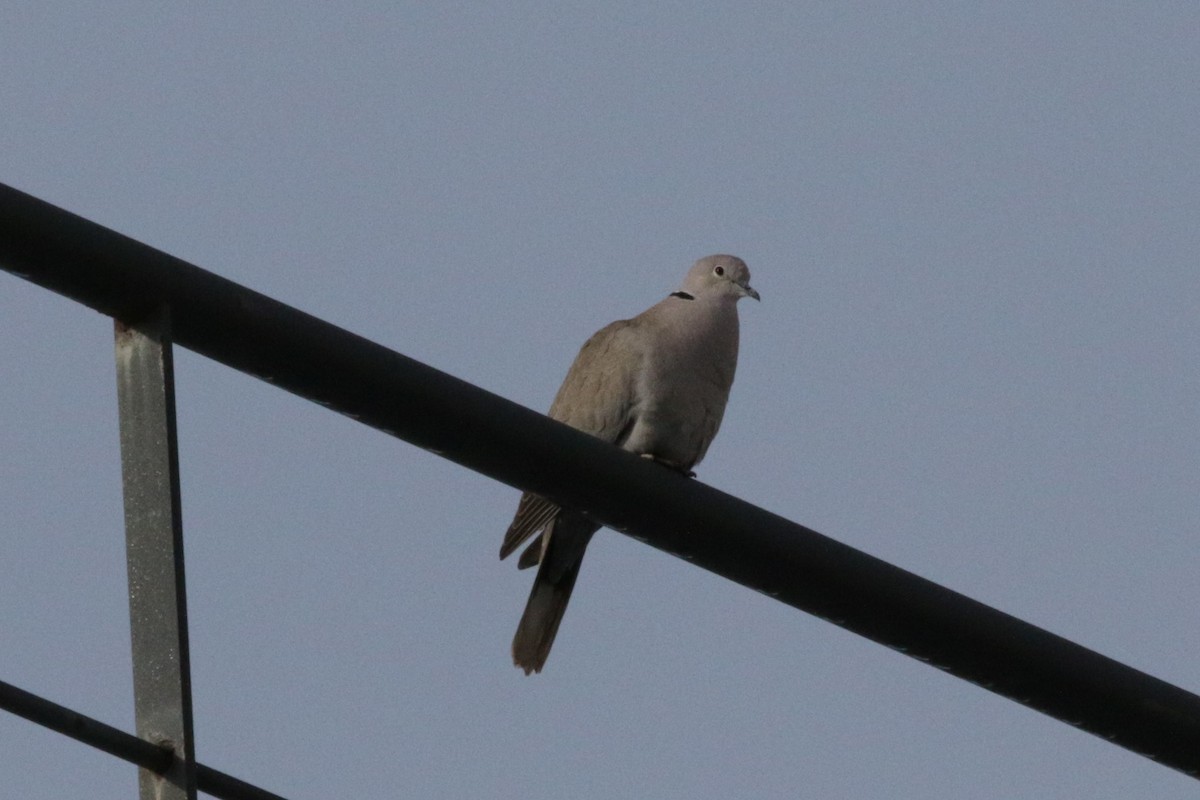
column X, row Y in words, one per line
column 655, row 385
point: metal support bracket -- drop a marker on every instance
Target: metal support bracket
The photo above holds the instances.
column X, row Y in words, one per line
column 154, row 550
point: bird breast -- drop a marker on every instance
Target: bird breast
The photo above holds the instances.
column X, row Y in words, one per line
column 683, row 389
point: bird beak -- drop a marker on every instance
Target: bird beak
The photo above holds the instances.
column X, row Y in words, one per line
column 748, row 291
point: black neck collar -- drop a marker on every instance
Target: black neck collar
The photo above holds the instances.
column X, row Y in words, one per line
column 683, row 295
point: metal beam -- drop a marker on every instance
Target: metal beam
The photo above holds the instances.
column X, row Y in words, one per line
column 162, row 685
column 100, row 735
column 793, row 564
column 117, row 742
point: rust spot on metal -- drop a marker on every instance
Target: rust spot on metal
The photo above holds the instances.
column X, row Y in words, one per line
column 122, row 328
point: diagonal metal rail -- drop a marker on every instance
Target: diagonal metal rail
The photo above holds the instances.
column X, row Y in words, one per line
column 126, row 746
column 248, row 331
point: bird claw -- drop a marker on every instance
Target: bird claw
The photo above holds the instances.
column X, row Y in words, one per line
column 687, row 473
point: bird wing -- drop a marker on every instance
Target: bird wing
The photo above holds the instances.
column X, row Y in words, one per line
column 599, row 397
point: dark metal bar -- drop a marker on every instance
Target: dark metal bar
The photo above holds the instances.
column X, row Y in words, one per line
column 117, row 742
column 255, row 334
column 162, row 685
column 227, row 787
column 113, row 741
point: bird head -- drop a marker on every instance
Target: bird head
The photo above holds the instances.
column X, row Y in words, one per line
column 719, row 275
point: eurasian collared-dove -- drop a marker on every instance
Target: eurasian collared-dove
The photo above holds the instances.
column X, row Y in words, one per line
column 655, row 385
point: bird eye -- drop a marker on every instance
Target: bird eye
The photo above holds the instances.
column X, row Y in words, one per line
column 719, row 271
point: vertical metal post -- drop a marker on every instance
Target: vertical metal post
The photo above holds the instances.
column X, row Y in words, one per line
column 154, row 550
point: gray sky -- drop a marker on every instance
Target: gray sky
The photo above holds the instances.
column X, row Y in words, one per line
column 974, row 227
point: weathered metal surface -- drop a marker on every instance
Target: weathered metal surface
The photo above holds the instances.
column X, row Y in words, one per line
column 154, row 551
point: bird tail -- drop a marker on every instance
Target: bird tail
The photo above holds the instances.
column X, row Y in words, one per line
column 539, row 624
column 567, row 542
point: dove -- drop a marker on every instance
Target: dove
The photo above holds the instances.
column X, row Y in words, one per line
column 655, row 385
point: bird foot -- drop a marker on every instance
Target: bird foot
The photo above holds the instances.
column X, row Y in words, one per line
column 687, row 473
